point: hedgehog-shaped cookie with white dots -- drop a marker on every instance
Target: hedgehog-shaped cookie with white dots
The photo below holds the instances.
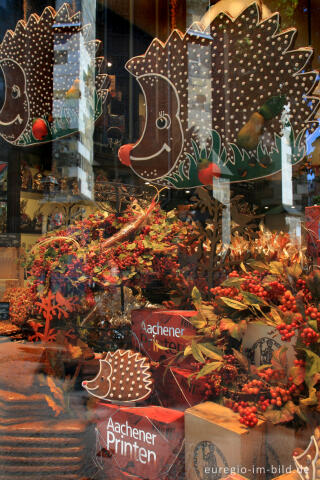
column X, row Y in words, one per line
column 222, row 93
column 124, row 377
column 50, row 67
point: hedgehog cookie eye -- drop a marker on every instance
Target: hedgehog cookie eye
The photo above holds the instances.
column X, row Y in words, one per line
column 15, row 92
column 163, row 121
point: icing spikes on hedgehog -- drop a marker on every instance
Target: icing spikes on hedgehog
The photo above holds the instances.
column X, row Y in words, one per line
column 307, row 462
column 124, row 377
column 42, row 77
column 236, row 75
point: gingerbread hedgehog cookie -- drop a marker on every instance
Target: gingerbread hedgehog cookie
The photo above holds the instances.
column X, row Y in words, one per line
column 222, row 94
column 43, row 83
column 124, row 377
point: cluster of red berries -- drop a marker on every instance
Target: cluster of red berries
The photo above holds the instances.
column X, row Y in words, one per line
column 234, row 274
column 231, row 359
column 165, row 265
column 253, row 285
column 302, row 286
column 287, row 331
column 270, row 375
column 288, row 302
column 276, row 290
column 248, row 414
column 208, row 390
column 313, row 313
column 279, row 396
column 263, row 403
column 224, row 291
column 136, row 257
column 229, row 373
column 253, row 387
column 309, row 336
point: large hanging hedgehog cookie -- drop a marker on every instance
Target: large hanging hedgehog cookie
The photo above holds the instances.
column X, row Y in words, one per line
column 49, row 66
column 124, row 377
column 307, row 462
column 219, row 99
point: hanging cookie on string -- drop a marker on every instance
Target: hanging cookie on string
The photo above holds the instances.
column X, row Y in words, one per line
column 45, row 77
column 215, row 98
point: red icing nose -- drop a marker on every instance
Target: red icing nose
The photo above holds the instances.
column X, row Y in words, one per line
column 84, row 383
column 124, row 154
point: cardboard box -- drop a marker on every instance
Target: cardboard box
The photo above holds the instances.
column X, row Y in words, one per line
column 217, row 444
column 281, row 442
column 280, row 445
column 165, row 327
column 260, row 341
column 175, row 380
column 141, row 442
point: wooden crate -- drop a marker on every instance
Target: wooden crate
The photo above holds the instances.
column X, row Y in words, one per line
column 216, row 443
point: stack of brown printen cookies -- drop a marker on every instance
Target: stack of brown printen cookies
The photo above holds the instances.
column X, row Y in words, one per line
column 34, row 444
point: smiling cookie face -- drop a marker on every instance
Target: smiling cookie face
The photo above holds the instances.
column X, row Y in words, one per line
column 14, row 114
column 100, row 386
column 214, row 94
column 124, row 377
column 28, row 59
column 161, row 144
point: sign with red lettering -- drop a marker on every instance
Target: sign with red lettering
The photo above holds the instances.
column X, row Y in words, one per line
column 167, row 328
column 146, row 442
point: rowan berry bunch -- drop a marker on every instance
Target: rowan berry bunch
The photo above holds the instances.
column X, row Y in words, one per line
column 247, row 412
column 313, row 313
column 211, row 388
column 229, row 373
column 302, row 286
column 287, row 331
column 309, row 336
column 263, row 403
column 253, row 387
column 275, row 290
column 273, row 389
column 279, row 395
column 271, row 375
column 288, row 302
column 230, row 292
column 252, row 284
column 234, row 274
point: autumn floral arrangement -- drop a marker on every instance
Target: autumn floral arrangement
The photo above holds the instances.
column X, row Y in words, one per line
column 260, row 277
column 283, row 297
column 105, row 250
column 88, row 262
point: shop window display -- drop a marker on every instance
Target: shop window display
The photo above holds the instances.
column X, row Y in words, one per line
column 159, row 240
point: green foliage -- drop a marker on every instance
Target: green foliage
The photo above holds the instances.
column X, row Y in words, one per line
column 236, row 163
